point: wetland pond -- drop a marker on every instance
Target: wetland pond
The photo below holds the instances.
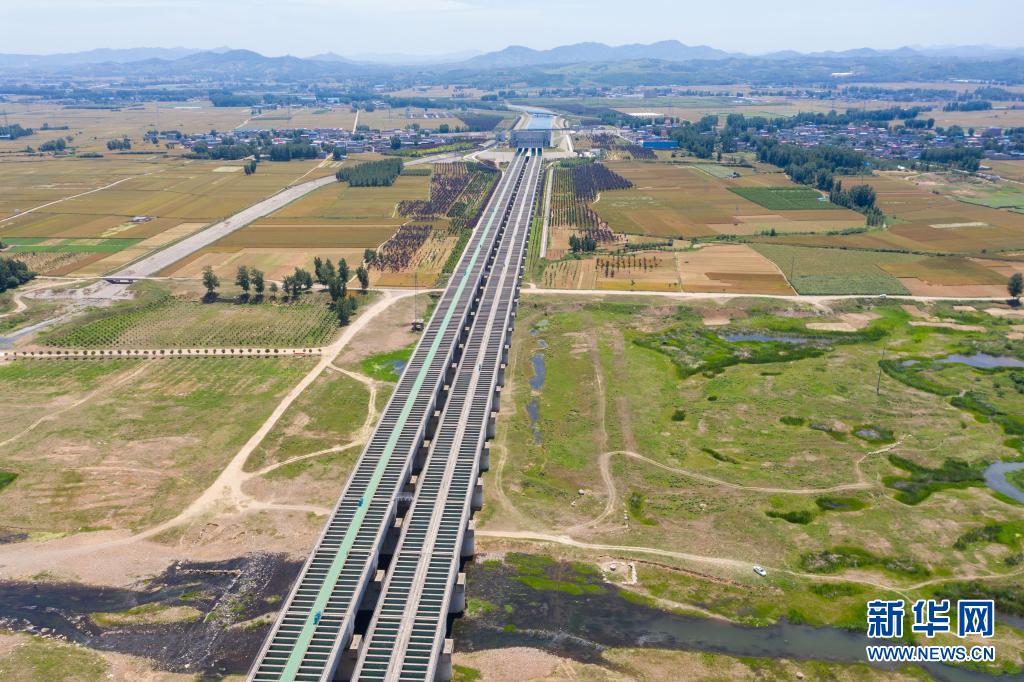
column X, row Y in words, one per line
column 230, row 602
column 995, row 478
column 764, row 338
column 568, row 610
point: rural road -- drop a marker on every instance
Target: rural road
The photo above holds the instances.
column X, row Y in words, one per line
column 534, row 291
column 152, row 264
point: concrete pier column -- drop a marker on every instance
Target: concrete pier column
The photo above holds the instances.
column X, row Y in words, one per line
column 458, row 600
column 492, row 425
column 496, row 401
column 349, row 658
column 444, row 662
column 469, row 540
column 478, row 495
column 485, row 458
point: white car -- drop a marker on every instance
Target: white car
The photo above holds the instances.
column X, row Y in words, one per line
column 760, row 571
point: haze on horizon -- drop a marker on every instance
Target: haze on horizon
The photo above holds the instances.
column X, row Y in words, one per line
column 439, row 27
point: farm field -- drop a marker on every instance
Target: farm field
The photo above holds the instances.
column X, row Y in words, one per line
column 785, row 198
column 91, row 128
column 130, row 442
column 336, row 218
column 158, row 319
column 176, row 196
column 343, row 117
column 646, row 427
column 679, row 201
column 926, row 221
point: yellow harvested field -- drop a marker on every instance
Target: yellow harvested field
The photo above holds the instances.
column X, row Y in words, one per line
column 730, row 268
column 275, row 263
column 121, row 258
column 919, row 287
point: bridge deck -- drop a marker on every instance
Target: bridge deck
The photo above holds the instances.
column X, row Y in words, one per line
column 317, row 620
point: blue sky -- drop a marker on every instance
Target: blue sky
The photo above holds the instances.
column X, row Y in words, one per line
column 304, row 27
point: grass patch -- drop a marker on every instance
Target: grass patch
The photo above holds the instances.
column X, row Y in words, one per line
column 923, row 481
column 802, row 516
column 785, row 198
column 983, row 411
column 38, row 658
column 1016, row 479
column 1010, row 598
column 387, row 366
column 720, row 457
column 462, row 673
column 911, row 375
column 874, row 434
column 839, row 559
column 792, row 421
column 7, row 478
column 1009, row 534
column 539, row 582
column 839, row 504
column 147, row 614
column 635, row 504
column 832, row 590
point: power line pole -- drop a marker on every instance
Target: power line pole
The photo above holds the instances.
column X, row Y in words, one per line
column 878, row 382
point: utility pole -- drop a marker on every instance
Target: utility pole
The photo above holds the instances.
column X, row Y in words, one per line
column 878, row 382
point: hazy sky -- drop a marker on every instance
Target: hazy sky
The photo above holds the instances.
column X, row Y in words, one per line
column 353, row 27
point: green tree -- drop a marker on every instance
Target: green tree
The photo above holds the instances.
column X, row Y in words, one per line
column 242, row 278
column 364, row 278
column 210, row 281
column 369, row 255
column 318, row 269
column 343, row 272
column 1015, row 286
column 335, row 287
column 258, row 283
column 396, row 142
column 344, row 314
column 273, row 290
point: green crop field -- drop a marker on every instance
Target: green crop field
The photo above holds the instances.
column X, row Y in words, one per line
column 814, row 271
column 163, row 321
column 785, row 198
column 44, row 245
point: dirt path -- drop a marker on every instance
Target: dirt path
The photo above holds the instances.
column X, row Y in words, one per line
column 602, row 430
column 226, row 492
column 721, row 562
column 860, row 485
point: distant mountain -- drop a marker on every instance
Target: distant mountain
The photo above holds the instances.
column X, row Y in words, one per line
column 98, row 56
column 584, row 53
column 411, row 59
